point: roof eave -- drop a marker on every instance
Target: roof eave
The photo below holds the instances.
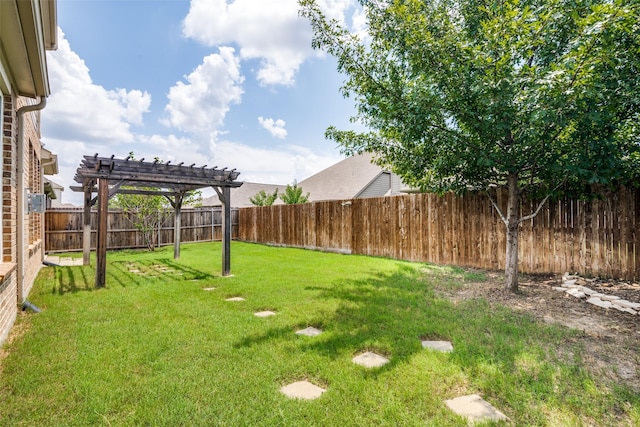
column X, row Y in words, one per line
column 30, row 31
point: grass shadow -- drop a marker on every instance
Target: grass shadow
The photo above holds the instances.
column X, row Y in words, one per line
column 158, row 270
column 381, row 314
column 72, row 279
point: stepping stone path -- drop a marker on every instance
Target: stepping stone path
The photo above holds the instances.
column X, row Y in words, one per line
column 574, row 285
column 309, row 332
column 370, row 360
column 302, row 390
column 264, row 313
column 208, row 289
column 474, row 408
column 442, row 346
column 235, row 299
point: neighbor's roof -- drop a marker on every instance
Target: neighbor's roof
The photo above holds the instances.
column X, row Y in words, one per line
column 344, row 180
column 240, row 196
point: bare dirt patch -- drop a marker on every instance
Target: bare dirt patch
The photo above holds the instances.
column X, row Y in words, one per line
column 610, row 339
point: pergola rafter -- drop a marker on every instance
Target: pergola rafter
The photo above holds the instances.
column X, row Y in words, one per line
column 108, row 176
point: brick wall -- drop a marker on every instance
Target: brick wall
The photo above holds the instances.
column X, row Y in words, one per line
column 33, row 223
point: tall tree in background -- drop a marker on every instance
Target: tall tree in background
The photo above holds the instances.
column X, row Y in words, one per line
column 538, row 96
column 263, row 199
column 149, row 213
column 293, row 195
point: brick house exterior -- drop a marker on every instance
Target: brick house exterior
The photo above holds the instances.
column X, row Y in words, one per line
column 27, row 30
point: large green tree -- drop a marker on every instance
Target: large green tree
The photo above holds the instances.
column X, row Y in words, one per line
column 538, row 96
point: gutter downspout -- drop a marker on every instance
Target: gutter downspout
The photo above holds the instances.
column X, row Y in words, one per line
column 21, row 188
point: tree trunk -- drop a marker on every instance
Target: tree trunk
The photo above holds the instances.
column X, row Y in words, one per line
column 513, row 226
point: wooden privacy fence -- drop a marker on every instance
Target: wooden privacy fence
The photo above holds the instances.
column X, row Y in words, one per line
column 64, row 227
column 596, row 238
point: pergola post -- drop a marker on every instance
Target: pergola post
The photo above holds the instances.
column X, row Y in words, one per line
column 101, row 245
column 177, row 224
column 226, row 231
column 86, row 232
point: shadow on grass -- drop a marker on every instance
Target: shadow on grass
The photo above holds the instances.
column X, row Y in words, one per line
column 126, row 273
column 72, row 279
column 507, row 356
column 386, row 314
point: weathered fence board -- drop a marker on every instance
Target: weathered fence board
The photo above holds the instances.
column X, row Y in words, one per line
column 599, row 237
column 64, row 228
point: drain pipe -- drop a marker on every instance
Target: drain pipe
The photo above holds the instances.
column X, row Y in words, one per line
column 21, row 196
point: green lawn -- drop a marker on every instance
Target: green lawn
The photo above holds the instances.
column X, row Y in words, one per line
column 159, row 350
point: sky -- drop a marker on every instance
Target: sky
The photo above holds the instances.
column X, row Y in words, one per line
column 230, row 83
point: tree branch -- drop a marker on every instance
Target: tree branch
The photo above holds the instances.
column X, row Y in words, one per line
column 495, row 205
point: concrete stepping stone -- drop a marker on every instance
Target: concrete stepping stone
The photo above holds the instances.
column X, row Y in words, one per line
column 475, row 408
column 235, row 299
column 442, row 346
column 302, row 390
column 209, row 289
column 266, row 313
column 309, row 332
column 370, row 360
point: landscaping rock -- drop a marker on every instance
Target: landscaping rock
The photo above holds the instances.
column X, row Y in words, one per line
column 628, row 304
column 609, row 297
column 302, row 390
column 475, row 409
column 624, row 309
column 598, row 302
column 235, row 299
column 576, row 293
column 586, row 290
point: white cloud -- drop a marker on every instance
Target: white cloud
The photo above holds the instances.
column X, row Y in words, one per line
column 274, row 127
column 273, row 165
column 270, row 31
column 80, row 110
column 279, row 165
column 201, row 104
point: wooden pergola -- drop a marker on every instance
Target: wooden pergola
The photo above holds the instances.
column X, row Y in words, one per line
column 108, row 176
